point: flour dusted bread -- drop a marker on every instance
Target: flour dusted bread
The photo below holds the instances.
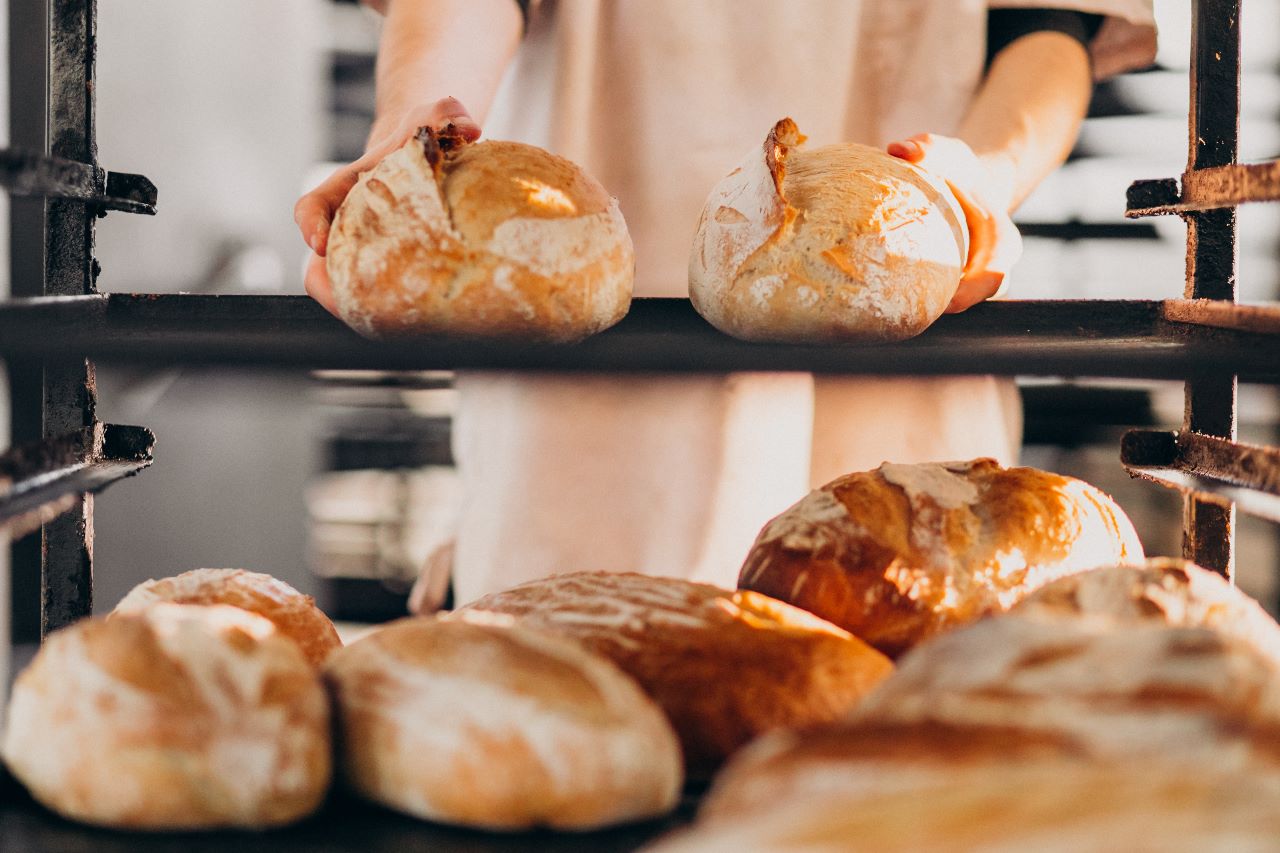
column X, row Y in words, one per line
column 179, row 717
column 898, row 554
column 1140, row 665
column 724, row 666
column 1114, row 707
column 492, row 239
column 295, row 615
column 839, row 243
column 479, row 722
column 1152, row 807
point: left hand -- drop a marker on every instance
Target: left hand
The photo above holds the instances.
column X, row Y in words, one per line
column 983, row 188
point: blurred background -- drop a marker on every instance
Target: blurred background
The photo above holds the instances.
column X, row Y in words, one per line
column 341, row 484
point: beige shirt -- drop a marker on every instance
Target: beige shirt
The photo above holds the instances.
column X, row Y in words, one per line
column 659, row 99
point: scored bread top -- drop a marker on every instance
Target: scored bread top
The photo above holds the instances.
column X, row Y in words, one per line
column 295, row 615
column 898, row 554
column 725, row 666
column 843, row 242
column 479, row 239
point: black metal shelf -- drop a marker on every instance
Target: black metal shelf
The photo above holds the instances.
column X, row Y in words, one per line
column 1123, row 339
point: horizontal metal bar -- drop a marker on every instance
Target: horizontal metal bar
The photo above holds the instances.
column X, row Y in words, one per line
column 29, row 174
column 1215, row 469
column 1206, row 189
column 1224, row 314
column 40, row 481
column 1117, row 338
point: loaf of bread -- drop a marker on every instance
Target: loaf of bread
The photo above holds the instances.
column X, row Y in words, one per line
column 724, row 666
column 903, row 552
column 1137, row 665
column 176, row 718
column 839, row 243
column 1013, row 807
column 478, row 722
column 295, row 615
column 1163, row 661
column 493, row 239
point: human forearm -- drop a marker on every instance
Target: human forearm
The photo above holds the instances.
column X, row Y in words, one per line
column 432, row 49
column 1025, row 117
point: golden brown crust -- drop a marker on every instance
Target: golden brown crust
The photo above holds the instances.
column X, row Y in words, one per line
column 295, row 615
column 899, row 554
column 724, row 666
column 492, row 239
column 179, row 717
column 490, row 725
column 839, row 243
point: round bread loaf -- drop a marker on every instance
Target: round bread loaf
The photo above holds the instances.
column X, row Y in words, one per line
column 1005, row 807
column 493, row 239
column 478, row 722
column 724, row 666
column 295, row 615
column 177, row 718
column 1137, row 665
column 898, row 554
column 839, row 243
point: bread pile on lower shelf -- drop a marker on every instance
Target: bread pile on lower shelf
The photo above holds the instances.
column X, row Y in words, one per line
column 1037, row 701
column 1126, row 708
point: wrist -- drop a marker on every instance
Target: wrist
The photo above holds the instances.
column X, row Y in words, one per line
column 1000, row 190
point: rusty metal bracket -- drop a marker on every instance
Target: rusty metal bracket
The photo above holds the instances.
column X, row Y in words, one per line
column 1210, row 188
column 1213, row 469
column 40, row 481
column 25, row 173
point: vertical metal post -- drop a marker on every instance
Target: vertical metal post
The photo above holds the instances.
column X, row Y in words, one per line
column 70, row 396
column 1208, row 529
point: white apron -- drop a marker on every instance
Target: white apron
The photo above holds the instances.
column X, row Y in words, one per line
column 659, row 99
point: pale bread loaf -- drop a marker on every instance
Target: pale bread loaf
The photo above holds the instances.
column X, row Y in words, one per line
column 725, row 666
column 295, row 615
column 180, row 717
column 1042, row 806
column 840, row 243
column 492, row 239
column 478, row 722
column 901, row 553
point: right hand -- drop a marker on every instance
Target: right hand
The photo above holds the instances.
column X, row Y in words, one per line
column 314, row 212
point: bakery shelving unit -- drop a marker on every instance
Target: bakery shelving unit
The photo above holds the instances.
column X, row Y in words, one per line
column 58, row 323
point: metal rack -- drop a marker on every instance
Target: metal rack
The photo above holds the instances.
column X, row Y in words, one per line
column 55, row 326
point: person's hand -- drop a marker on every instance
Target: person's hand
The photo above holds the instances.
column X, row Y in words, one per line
column 983, row 189
column 314, row 211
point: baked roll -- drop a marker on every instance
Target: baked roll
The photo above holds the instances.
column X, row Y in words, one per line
column 1140, row 663
column 840, row 243
column 488, row 239
column 295, row 615
column 478, row 722
column 180, row 717
column 725, row 666
column 901, row 553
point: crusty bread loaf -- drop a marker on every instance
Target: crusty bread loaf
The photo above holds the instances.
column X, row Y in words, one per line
column 1057, row 807
column 479, row 722
column 724, row 666
column 840, row 243
column 1117, row 677
column 1124, row 664
column 489, row 239
column 898, row 554
column 178, row 717
column 295, row 615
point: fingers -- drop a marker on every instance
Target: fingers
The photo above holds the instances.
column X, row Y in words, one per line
column 451, row 111
column 318, row 286
column 994, row 242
